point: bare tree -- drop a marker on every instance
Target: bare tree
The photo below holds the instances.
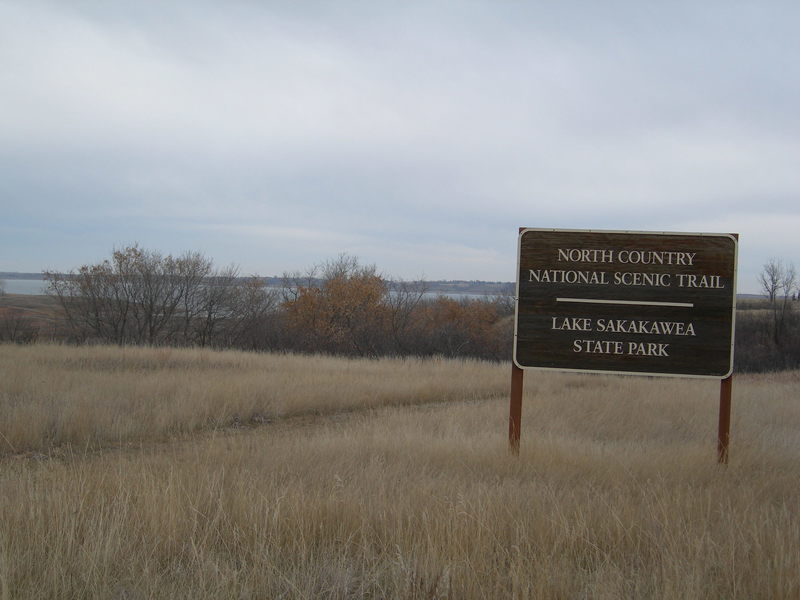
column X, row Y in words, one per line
column 16, row 326
column 779, row 282
column 403, row 301
column 138, row 296
column 770, row 278
column 252, row 315
column 788, row 282
column 213, row 303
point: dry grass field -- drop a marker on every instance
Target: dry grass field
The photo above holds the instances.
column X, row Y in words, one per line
column 147, row 473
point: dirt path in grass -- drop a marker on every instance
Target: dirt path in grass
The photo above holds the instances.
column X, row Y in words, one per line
column 303, row 421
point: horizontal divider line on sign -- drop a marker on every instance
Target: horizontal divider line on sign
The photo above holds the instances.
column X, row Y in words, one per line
column 633, row 302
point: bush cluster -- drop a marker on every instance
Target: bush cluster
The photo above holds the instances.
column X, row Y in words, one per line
column 340, row 307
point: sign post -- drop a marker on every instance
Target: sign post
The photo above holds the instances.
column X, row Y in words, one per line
column 640, row 303
column 724, row 431
column 515, row 410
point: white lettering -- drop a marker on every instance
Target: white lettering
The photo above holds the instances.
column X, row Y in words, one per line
column 643, row 279
column 677, row 328
column 700, row 281
column 585, row 255
column 597, row 346
column 647, row 349
column 571, row 277
column 655, row 257
column 572, row 324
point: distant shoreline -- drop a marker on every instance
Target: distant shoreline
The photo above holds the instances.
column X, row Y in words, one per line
column 456, row 286
column 28, row 276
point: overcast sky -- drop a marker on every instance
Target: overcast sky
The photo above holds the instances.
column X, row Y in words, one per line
column 417, row 136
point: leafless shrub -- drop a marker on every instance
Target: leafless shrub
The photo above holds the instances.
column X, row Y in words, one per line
column 143, row 297
column 17, row 326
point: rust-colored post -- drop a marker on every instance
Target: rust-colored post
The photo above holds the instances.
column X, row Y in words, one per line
column 724, row 437
column 515, row 409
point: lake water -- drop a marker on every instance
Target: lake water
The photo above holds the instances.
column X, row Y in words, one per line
column 32, row 287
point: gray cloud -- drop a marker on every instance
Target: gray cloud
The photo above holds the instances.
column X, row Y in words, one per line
column 274, row 135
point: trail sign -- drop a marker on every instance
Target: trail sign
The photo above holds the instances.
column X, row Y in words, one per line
column 642, row 303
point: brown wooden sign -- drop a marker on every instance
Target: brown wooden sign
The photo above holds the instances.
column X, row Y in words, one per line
column 626, row 302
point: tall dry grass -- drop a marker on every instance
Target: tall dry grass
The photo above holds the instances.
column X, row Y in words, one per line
column 615, row 494
column 94, row 396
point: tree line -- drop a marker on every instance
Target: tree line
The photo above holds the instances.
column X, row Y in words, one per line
column 341, row 306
